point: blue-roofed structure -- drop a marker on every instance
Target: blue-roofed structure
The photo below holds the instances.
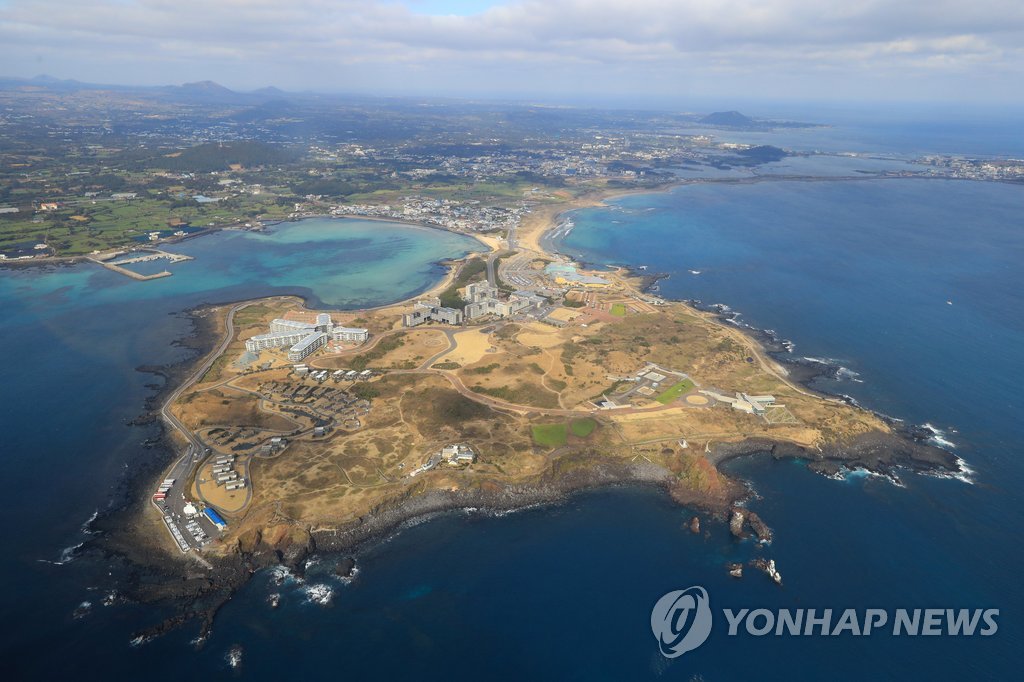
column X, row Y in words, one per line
column 217, row 519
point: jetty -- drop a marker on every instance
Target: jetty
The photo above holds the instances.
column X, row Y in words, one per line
column 149, row 254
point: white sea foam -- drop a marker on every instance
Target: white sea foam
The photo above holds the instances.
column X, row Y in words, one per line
column 820, row 361
column 139, row 640
column 234, row 657
column 320, row 594
column 850, row 475
column 67, row 555
column 938, row 437
column 282, row 574
column 847, row 373
column 965, row 473
column 87, row 526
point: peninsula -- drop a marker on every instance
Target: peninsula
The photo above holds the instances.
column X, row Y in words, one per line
column 521, row 377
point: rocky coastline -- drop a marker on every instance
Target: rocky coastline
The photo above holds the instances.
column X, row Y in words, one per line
column 158, row 575
column 903, row 447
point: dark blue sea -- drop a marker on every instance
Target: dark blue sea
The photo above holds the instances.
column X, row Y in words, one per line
column 914, row 286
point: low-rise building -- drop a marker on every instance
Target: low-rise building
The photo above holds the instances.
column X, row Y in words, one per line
column 432, row 311
column 458, row 454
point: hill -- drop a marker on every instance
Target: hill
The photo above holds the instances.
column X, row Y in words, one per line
column 732, row 119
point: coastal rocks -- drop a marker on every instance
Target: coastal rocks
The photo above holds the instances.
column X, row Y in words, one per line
column 760, row 528
column 694, row 525
column 877, row 451
column 735, row 570
column 743, row 520
column 826, row 468
column 768, row 567
column 346, row 568
column 282, row 544
column 736, row 518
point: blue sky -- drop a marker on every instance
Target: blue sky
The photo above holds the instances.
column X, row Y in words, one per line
column 557, row 50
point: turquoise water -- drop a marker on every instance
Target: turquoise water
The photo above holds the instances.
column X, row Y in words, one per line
column 73, row 338
column 337, row 263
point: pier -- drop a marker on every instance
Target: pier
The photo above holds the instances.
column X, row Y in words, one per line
column 150, row 255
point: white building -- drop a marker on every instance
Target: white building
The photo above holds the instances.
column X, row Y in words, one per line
column 276, row 339
column 307, row 345
column 294, row 333
column 458, row 454
column 356, row 334
column 483, row 300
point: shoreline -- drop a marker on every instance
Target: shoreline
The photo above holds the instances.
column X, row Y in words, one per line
column 294, row 545
column 78, row 259
column 611, row 195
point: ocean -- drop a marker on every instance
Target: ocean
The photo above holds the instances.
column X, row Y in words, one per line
column 913, row 286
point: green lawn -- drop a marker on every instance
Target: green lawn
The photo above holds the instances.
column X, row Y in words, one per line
column 674, row 392
column 550, row 435
column 581, row 428
column 619, row 309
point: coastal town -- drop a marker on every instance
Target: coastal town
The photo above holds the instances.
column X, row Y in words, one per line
column 148, row 171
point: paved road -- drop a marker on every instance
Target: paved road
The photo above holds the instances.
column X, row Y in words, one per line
column 490, row 269
column 173, row 507
column 450, row 334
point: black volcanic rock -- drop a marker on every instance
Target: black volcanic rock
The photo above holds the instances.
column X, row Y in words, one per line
column 760, row 528
column 345, row 568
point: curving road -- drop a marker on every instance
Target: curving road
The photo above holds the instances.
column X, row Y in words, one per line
column 173, row 507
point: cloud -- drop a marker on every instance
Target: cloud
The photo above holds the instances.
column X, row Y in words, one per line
column 548, row 45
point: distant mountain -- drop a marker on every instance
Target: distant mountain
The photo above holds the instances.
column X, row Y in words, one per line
column 44, row 81
column 733, row 119
column 270, row 90
column 207, row 88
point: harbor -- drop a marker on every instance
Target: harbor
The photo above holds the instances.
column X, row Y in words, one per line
column 148, row 255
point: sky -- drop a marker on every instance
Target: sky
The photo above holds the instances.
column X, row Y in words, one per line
column 559, row 50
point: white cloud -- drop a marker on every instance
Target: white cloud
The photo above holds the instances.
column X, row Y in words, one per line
column 547, row 45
